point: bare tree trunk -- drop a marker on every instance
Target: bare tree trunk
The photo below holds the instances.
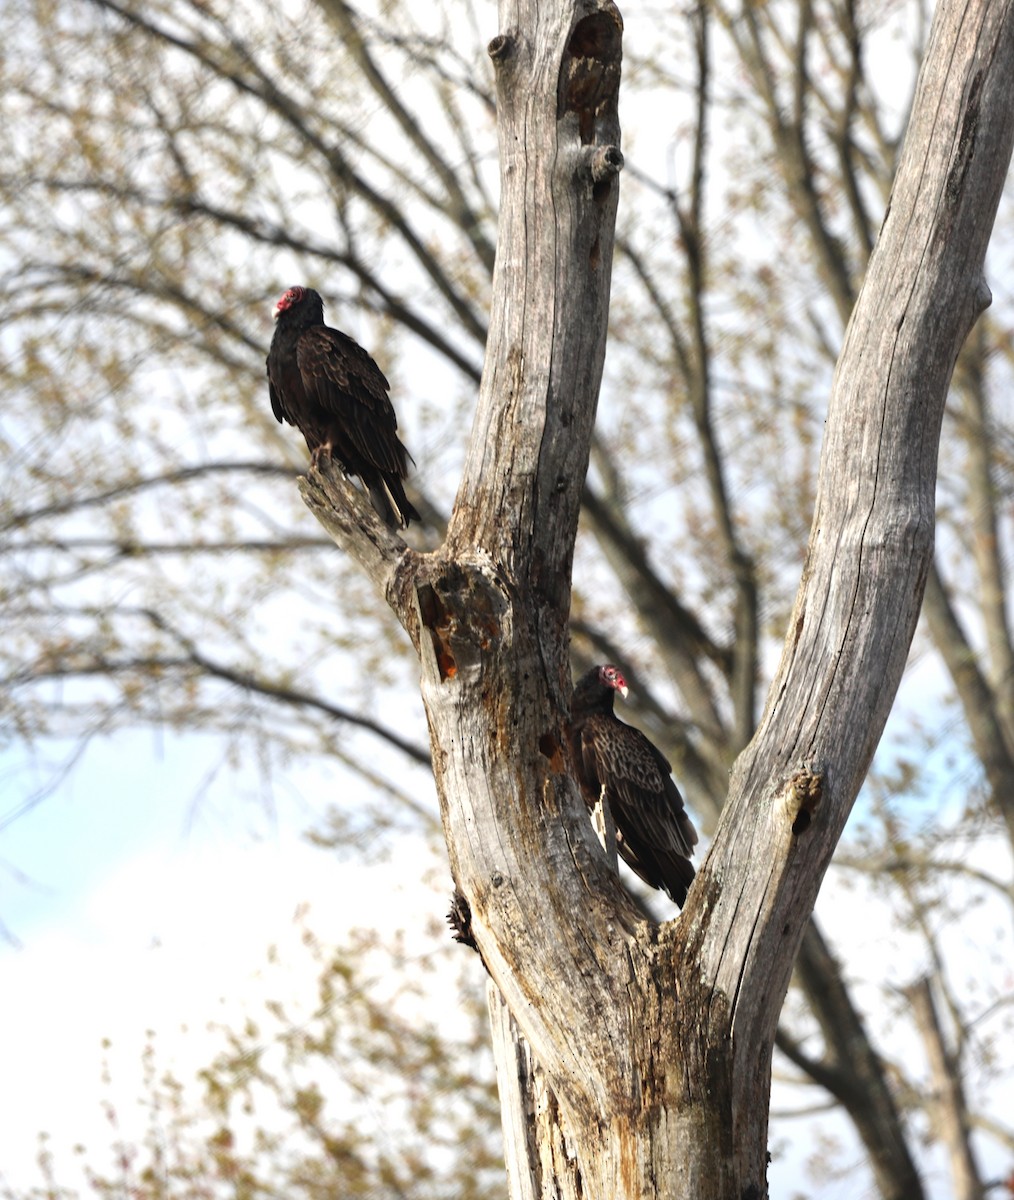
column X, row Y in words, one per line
column 948, row 1108
column 655, row 1042
column 515, row 1081
column 978, row 700
column 854, row 1075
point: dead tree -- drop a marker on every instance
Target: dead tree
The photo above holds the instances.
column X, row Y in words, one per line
column 654, row 1043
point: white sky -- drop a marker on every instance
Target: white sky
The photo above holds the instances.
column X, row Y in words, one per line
column 149, row 914
column 138, row 911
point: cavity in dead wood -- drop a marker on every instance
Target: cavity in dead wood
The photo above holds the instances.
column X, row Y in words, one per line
column 464, row 613
column 805, row 791
column 437, row 621
column 500, row 48
column 590, row 72
column 550, row 748
column 459, row 917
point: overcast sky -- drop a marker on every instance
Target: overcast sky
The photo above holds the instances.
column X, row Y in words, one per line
column 145, row 910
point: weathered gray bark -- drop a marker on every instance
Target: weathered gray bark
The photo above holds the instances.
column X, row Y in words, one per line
column 948, row 1108
column 984, row 679
column 850, row 1069
column 979, row 701
column 515, row 1081
column 654, row 1043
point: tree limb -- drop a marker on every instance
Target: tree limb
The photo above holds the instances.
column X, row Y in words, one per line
column 950, row 1110
column 870, row 546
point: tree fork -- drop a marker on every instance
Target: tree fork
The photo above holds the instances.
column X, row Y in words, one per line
column 656, row 1041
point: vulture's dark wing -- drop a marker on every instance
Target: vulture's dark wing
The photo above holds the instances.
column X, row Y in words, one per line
column 276, row 404
column 344, row 380
column 285, row 384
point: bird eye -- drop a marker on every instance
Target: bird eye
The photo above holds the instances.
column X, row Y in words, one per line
column 611, row 675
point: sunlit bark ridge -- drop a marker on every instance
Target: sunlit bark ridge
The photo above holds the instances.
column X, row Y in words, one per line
column 656, row 1041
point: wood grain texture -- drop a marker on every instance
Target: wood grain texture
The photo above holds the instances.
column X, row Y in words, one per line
column 655, row 1043
column 870, row 544
column 949, row 1109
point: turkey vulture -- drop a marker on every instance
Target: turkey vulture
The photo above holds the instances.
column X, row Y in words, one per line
column 325, row 384
column 654, row 835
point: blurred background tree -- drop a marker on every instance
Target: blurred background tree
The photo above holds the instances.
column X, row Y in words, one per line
column 169, row 168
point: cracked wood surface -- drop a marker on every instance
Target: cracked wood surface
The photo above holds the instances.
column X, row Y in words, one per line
column 655, row 1043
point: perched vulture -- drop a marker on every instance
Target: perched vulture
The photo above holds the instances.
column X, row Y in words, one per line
column 654, row 835
column 325, row 384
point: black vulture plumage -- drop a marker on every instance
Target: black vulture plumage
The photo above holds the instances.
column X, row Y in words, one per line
column 325, row 384
column 654, row 835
